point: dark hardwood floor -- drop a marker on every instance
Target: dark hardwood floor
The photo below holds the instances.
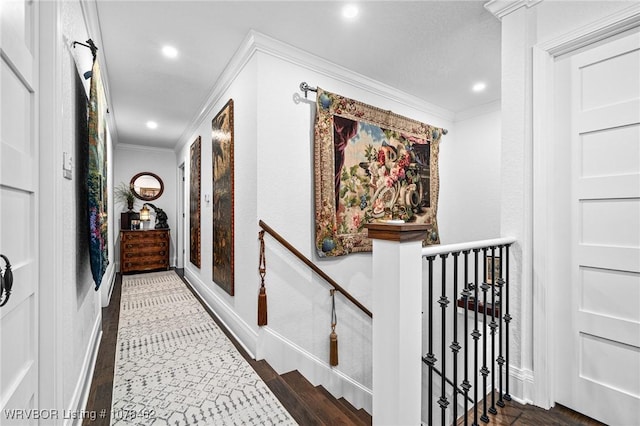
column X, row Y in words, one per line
column 307, row 405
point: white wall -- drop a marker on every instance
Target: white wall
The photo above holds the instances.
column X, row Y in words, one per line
column 70, row 318
column 470, row 177
column 274, row 183
column 130, row 160
column 238, row 311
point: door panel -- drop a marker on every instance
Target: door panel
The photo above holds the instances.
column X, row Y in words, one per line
column 604, row 346
column 18, row 209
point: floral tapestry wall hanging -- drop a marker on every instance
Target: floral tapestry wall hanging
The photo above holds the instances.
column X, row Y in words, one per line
column 194, row 202
column 223, row 238
column 97, row 178
column 371, row 165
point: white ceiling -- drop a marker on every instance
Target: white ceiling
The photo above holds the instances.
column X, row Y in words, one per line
column 434, row 50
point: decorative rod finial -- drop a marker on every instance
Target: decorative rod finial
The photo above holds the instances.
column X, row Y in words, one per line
column 306, row 88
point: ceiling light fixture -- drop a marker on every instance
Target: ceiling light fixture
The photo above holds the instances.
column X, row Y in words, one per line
column 479, row 87
column 152, row 125
column 350, row 11
column 169, row 51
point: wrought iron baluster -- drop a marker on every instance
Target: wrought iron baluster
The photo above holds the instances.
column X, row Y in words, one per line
column 484, row 370
column 455, row 346
column 507, row 320
column 476, row 336
column 443, row 301
column 493, row 325
column 430, row 359
column 466, row 386
column 500, row 284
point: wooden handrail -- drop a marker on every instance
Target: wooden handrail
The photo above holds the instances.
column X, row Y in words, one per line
column 315, row 269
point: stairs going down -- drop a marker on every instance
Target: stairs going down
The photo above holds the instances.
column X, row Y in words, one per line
column 308, row 404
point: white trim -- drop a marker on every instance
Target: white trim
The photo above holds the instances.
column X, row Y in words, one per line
column 543, row 101
column 521, row 382
column 501, row 8
column 258, row 42
column 50, row 236
column 239, row 329
column 108, row 281
column 284, row 355
column 83, row 386
column 141, row 148
column 544, row 55
column 450, row 248
column 593, row 32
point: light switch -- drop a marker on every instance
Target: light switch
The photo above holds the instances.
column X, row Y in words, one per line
column 67, row 165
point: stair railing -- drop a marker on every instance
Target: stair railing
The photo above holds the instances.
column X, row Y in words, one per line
column 315, row 268
column 262, row 307
column 482, row 302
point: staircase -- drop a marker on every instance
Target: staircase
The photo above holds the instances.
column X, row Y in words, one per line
column 308, row 404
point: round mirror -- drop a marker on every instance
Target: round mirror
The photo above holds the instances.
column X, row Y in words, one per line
column 147, row 186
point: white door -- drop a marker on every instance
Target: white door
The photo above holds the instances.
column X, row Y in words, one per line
column 19, row 209
column 603, row 346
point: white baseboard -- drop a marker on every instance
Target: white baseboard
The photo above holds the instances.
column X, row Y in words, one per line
column 521, row 385
column 80, row 395
column 239, row 329
column 284, row 356
column 108, row 282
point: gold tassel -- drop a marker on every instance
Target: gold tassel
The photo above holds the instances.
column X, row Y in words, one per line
column 333, row 348
column 262, row 296
column 333, row 337
column 262, row 307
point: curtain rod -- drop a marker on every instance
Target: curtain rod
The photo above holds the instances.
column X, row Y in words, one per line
column 306, row 88
column 90, row 44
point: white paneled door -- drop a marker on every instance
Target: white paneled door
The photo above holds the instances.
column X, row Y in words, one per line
column 19, row 210
column 603, row 380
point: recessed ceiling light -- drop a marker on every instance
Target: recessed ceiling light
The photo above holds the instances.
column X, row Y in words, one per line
column 350, row 11
column 479, row 87
column 152, row 125
column 169, row 51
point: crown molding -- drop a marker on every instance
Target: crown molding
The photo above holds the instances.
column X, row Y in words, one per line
column 143, row 148
column 609, row 26
column 501, row 8
column 256, row 42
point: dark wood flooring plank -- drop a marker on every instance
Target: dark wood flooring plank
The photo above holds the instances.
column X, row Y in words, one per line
column 324, row 409
column 360, row 413
column 343, row 408
column 101, row 391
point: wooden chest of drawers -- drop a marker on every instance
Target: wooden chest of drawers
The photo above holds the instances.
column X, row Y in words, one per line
column 144, row 250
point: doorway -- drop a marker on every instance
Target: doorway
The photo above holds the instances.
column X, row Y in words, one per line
column 595, row 263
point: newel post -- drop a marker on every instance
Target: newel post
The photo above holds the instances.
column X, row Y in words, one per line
column 397, row 322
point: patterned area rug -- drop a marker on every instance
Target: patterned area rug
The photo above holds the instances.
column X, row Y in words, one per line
column 174, row 366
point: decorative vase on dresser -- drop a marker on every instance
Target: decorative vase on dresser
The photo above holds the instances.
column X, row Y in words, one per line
column 144, row 250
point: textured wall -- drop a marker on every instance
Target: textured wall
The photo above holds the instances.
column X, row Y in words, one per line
column 130, row 160
column 80, row 303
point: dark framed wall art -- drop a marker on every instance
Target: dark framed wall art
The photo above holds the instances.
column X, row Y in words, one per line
column 223, row 198
column 194, row 202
